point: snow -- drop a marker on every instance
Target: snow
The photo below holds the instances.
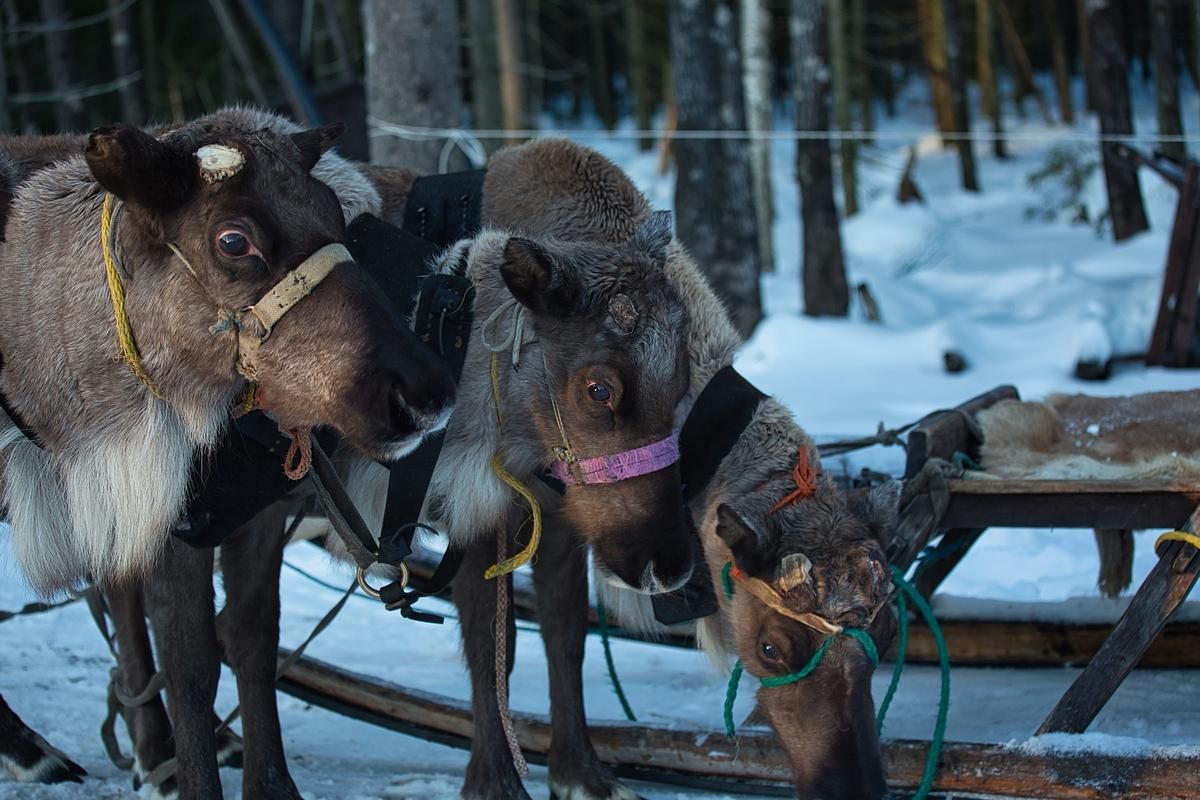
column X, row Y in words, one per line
column 1022, row 299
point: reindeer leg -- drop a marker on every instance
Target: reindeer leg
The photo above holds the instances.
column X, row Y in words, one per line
column 560, row 575
column 251, row 560
column 490, row 772
column 148, row 724
column 29, row 757
column 179, row 597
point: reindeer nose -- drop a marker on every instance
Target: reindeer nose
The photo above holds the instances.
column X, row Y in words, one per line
column 427, row 392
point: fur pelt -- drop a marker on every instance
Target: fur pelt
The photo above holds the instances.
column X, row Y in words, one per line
column 1150, row 436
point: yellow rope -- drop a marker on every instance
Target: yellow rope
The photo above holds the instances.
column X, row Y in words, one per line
column 129, row 351
column 535, row 537
column 248, row 396
column 1177, row 536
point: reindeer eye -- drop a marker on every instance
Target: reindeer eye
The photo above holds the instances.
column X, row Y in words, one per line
column 233, row 244
column 770, row 653
column 599, row 392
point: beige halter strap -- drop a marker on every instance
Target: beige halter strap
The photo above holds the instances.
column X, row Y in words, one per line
column 770, row 598
column 283, row 296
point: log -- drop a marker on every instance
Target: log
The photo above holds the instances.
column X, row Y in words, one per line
column 1164, row 589
column 1069, row 504
column 754, row 762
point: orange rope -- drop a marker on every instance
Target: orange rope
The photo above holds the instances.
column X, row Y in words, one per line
column 299, row 455
column 805, row 477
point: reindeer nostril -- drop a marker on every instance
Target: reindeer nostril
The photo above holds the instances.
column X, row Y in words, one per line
column 398, row 410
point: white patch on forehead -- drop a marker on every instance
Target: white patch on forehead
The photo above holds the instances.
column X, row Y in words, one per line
column 218, row 162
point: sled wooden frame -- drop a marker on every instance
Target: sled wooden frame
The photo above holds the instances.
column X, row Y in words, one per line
column 974, row 505
column 753, row 763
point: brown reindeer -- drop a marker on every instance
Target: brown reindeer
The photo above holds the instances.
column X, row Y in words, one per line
column 194, row 227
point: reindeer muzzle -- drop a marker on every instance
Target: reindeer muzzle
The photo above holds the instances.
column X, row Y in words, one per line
column 282, row 298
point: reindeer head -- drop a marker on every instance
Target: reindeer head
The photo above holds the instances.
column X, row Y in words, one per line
column 214, row 221
column 804, row 571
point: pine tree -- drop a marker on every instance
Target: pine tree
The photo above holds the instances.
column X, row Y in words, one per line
column 1166, row 82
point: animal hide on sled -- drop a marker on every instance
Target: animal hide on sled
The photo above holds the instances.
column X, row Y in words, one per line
column 1153, row 436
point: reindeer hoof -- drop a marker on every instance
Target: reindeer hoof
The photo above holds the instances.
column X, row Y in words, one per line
column 614, row 790
column 43, row 765
column 229, row 750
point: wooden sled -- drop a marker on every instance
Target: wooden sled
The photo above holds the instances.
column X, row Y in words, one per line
column 753, row 763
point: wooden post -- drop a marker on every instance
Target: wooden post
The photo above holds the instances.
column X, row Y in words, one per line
column 1171, row 339
column 1164, row 589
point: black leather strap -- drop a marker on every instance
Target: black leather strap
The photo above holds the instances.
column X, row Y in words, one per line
column 716, row 422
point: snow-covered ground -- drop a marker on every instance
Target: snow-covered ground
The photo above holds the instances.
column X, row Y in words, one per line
column 1022, row 299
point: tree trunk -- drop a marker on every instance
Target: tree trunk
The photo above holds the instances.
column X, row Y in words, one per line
column 713, row 183
column 860, row 65
column 847, row 147
column 68, row 110
column 1085, row 51
column 484, row 64
column 598, row 69
column 508, row 49
column 1021, row 65
column 958, row 96
column 933, row 46
column 823, row 271
column 989, row 87
column 149, row 58
column 417, row 40
column 1194, row 16
column 756, row 50
column 1062, row 67
column 533, row 59
column 639, row 67
column 1166, row 81
column 125, row 58
column 1109, row 71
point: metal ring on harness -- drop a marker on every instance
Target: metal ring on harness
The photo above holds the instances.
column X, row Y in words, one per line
column 361, row 578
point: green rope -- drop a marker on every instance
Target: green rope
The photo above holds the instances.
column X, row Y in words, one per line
column 602, row 624
column 727, row 579
column 939, row 728
column 731, row 697
column 901, row 654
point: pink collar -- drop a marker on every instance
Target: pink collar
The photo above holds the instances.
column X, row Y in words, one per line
column 619, row 466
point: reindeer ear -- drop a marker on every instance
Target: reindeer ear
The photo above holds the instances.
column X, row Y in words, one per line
column 654, row 236
column 741, row 538
column 314, row 143
column 537, row 280
column 140, row 169
column 879, row 507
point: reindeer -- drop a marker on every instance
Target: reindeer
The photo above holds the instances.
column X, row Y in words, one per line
column 144, row 282
column 587, row 343
column 826, row 722
column 566, row 190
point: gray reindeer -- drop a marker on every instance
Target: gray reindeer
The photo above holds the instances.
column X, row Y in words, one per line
column 144, row 280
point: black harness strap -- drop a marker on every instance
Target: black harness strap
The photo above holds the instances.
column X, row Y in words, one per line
column 713, row 427
column 445, row 208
